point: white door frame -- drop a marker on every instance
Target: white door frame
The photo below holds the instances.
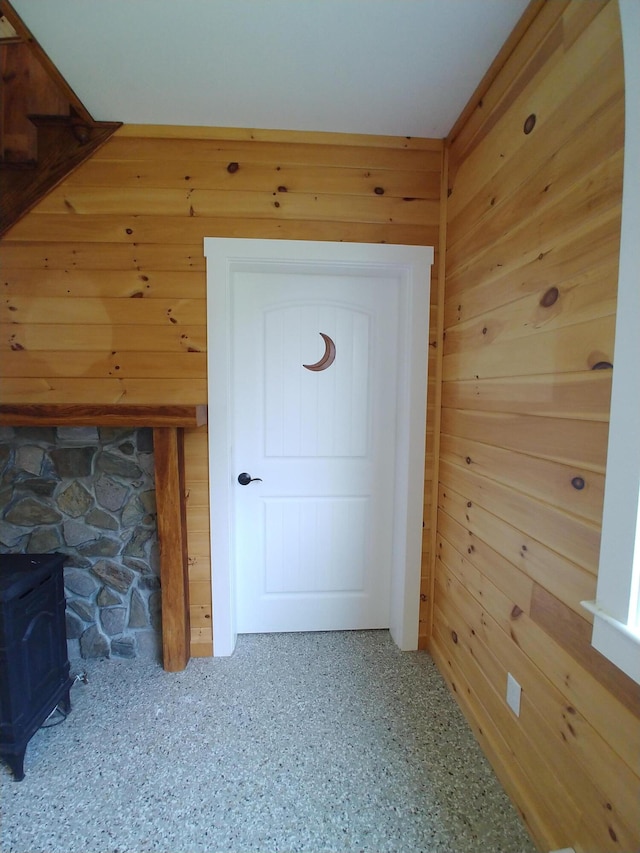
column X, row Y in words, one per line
column 411, row 265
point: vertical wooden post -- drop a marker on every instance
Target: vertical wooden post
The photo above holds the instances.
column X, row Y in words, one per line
column 168, row 447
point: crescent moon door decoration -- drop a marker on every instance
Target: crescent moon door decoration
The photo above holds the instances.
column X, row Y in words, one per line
column 329, row 355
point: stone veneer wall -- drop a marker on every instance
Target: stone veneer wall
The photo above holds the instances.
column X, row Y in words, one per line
column 89, row 493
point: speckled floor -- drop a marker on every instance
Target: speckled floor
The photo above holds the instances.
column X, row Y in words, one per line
column 299, row 742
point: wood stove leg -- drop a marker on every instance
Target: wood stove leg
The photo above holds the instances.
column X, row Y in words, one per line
column 15, row 761
column 168, row 448
column 65, row 702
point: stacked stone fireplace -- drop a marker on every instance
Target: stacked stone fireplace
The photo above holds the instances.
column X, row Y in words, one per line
column 88, row 492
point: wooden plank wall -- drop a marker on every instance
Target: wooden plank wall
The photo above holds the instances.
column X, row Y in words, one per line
column 532, row 240
column 104, row 281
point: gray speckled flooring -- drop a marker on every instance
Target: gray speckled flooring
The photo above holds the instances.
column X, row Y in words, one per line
column 299, row 742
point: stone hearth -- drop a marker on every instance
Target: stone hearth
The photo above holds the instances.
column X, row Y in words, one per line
column 88, row 492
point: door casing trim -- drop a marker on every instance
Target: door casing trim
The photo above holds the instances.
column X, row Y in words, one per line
column 411, row 265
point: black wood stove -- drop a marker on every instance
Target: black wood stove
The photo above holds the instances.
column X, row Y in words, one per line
column 34, row 666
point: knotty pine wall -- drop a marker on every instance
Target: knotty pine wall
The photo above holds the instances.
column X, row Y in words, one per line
column 532, row 240
column 104, row 282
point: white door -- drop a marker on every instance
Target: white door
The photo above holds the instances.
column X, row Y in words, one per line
column 317, row 360
column 314, row 368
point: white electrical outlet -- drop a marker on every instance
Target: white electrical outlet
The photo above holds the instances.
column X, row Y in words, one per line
column 513, row 694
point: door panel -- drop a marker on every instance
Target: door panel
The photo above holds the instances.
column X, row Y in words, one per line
column 315, row 545
column 297, row 400
column 314, row 535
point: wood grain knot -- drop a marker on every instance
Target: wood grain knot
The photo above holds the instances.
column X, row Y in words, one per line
column 232, row 167
column 602, row 365
column 81, row 131
column 516, row 611
column 282, row 189
column 379, row 191
column 129, row 230
column 454, row 637
column 578, row 483
column 530, row 123
column 550, row 297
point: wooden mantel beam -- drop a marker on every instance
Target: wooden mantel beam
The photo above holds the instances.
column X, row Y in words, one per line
column 113, row 416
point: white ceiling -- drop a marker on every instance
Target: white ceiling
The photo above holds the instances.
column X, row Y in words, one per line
column 398, row 67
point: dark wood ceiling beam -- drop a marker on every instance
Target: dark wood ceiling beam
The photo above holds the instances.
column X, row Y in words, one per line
column 25, row 34
column 59, row 153
column 50, row 145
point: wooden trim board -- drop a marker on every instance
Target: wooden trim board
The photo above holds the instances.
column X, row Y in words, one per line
column 168, row 448
column 112, row 416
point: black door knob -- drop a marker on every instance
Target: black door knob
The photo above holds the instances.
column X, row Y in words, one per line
column 244, row 479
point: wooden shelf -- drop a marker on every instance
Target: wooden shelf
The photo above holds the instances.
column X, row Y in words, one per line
column 112, row 416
